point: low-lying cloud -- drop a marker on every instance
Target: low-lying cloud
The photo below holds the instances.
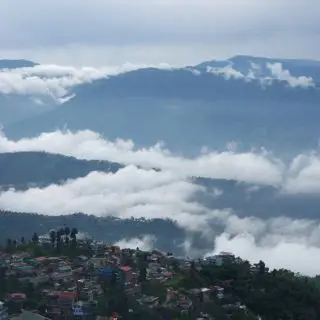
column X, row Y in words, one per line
column 253, row 167
column 130, row 192
column 295, row 256
column 138, row 191
column 46, row 80
column 135, row 192
column 144, row 243
column 281, row 74
column 56, row 81
column 277, row 73
column 300, row 176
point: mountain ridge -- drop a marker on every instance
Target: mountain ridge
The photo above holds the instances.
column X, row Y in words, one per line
column 16, row 63
column 163, row 102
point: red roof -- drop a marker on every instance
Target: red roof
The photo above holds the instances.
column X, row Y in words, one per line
column 66, row 295
column 19, row 296
column 41, row 258
column 125, row 268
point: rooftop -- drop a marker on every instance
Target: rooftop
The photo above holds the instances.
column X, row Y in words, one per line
column 125, row 268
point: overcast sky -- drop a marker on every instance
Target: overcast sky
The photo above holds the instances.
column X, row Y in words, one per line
column 112, row 32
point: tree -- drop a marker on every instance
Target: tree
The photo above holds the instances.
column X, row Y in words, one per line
column 67, row 240
column 61, row 232
column 262, row 267
column 142, row 274
column 2, row 281
column 67, row 231
column 58, row 242
column 22, row 240
column 53, row 236
column 73, row 236
column 74, row 231
column 35, row 238
column 9, row 246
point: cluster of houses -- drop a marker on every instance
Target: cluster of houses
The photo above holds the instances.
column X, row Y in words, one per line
column 72, row 287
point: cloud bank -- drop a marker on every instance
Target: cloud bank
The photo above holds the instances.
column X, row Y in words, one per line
column 145, row 243
column 170, row 193
column 277, row 73
column 294, row 256
column 56, row 81
column 255, row 167
column 299, row 176
column 134, row 192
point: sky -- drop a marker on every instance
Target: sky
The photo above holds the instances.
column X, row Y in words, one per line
column 179, row 32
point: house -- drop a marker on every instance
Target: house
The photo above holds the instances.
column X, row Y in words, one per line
column 219, row 292
column 59, row 301
column 184, row 303
column 63, row 271
column 98, row 262
column 40, row 278
column 149, row 301
column 82, row 309
column 220, row 258
column 127, row 273
column 15, row 301
column 65, row 298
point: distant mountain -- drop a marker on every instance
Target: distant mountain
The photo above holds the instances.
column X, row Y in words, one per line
column 16, row 107
column 188, row 108
column 14, row 64
column 17, row 171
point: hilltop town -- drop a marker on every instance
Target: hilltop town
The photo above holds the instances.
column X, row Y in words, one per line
column 68, row 275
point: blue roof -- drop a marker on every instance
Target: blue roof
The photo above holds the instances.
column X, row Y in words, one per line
column 106, row 271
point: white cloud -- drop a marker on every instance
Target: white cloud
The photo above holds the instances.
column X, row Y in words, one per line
column 299, row 176
column 304, row 175
column 281, row 242
column 260, row 168
column 132, row 192
column 277, row 73
column 281, row 74
column 227, row 72
column 145, row 243
column 57, row 81
column 54, row 81
column 295, row 256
